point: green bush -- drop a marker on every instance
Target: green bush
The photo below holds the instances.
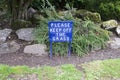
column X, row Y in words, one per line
column 59, row 4
column 87, row 35
column 109, row 9
column 2, row 4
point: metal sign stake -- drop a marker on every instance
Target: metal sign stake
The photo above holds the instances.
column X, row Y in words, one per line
column 51, row 50
column 69, row 49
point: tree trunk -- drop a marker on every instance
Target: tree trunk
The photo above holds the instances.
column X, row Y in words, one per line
column 19, row 9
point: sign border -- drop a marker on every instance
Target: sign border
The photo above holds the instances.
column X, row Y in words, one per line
column 69, row 45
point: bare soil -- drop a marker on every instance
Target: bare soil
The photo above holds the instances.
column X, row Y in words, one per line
column 20, row 58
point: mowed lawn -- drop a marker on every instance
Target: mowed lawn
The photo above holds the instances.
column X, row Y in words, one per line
column 96, row 70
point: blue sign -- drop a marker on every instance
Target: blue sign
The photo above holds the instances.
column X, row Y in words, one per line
column 60, row 31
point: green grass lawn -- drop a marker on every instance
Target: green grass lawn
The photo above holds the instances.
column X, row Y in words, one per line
column 102, row 70
column 97, row 70
column 64, row 72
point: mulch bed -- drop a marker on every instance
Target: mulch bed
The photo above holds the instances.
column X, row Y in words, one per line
column 20, row 58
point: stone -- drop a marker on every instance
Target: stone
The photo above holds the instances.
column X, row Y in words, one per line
column 30, row 12
column 26, row 34
column 118, row 30
column 97, row 48
column 2, row 12
column 9, row 47
column 36, row 49
column 110, row 24
column 4, row 34
column 115, row 43
column 85, row 14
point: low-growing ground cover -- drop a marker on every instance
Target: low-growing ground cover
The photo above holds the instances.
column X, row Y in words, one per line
column 97, row 70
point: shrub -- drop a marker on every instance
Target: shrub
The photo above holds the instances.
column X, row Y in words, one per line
column 86, row 34
column 109, row 9
column 87, row 15
column 2, row 4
